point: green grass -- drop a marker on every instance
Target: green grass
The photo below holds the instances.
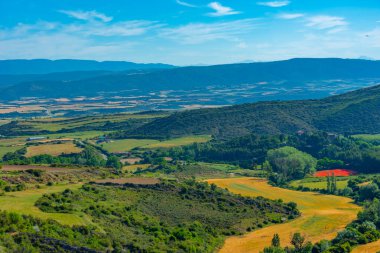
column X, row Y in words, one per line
column 126, row 145
column 83, row 135
column 4, row 150
column 129, row 144
column 23, row 202
column 182, row 141
column 367, row 137
column 316, row 183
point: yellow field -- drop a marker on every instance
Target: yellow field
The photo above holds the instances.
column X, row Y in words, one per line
column 52, row 149
column 23, row 202
column 367, row 248
column 322, row 215
column 180, row 141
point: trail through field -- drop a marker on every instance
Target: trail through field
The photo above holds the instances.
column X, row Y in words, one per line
column 23, row 202
column 322, row 215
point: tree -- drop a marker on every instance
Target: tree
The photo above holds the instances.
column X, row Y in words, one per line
column 276, row 240
column 298, row 242
column 291, row 162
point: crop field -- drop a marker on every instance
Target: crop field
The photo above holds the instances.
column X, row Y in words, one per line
column 23, row 202
column 335, row 172
column 129, row 144
column 53, row 149
column 367, row 248
column 180, row 141
column 126, row 145
column 69, row 123
column 313, row 183
column 322, row 215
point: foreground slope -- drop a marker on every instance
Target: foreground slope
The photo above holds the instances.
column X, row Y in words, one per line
column 322, row 216
column 353, row 112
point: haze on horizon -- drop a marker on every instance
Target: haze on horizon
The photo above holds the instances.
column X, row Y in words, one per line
column 189, row 32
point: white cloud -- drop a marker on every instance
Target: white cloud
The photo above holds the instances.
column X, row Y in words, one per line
column 87, row 15
column 221, row 10
column 323, row 22
column 185, row 4
column 290, row 15
column 202, row 32
column 123, row 29
column 274, row 4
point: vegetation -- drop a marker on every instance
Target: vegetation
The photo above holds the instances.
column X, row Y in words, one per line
column 156, row 217
column 338, row 114
column 289, row 163
column 322, row 215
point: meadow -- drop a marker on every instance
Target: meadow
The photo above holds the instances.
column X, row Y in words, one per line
column 317, row 183
column 129, row 144
column 53, row 149
column 23, row 202
column 322, row 215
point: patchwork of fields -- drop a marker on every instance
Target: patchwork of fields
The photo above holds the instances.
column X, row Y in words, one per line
column 322, row 215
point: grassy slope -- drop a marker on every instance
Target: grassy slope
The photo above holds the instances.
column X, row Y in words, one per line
column 322, row 215
column 23, row 202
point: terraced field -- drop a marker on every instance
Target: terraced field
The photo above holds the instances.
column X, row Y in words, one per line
column 322, row 215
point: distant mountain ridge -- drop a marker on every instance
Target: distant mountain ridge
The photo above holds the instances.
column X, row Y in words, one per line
column 43, row 66
column 293, row 73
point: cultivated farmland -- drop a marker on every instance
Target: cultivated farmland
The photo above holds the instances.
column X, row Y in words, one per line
column 322, row 215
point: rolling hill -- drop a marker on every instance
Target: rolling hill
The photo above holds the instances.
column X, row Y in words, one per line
column 286, row 76
column 353, row 112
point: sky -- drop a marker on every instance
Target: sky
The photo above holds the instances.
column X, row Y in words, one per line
column 189, row 32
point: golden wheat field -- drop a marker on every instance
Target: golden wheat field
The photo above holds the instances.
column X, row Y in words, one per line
column 322, row 215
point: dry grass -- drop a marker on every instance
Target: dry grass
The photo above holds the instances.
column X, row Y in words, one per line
column 37, row 167
column 322, row 215
column 368, row 248
column 53, row 149
column 132, row 180
column 134, row 167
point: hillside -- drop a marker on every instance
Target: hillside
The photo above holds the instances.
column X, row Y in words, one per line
column 290, row 78
column 353, row 112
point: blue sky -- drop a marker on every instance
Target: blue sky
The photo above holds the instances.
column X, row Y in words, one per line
column 189, row 32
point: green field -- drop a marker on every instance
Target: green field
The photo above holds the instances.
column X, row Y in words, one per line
column 317, row 183
column 129, row 144
column 368, row 137
column 126, row 145
column 182, row 141
column 70, row 123
column 23, row 202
